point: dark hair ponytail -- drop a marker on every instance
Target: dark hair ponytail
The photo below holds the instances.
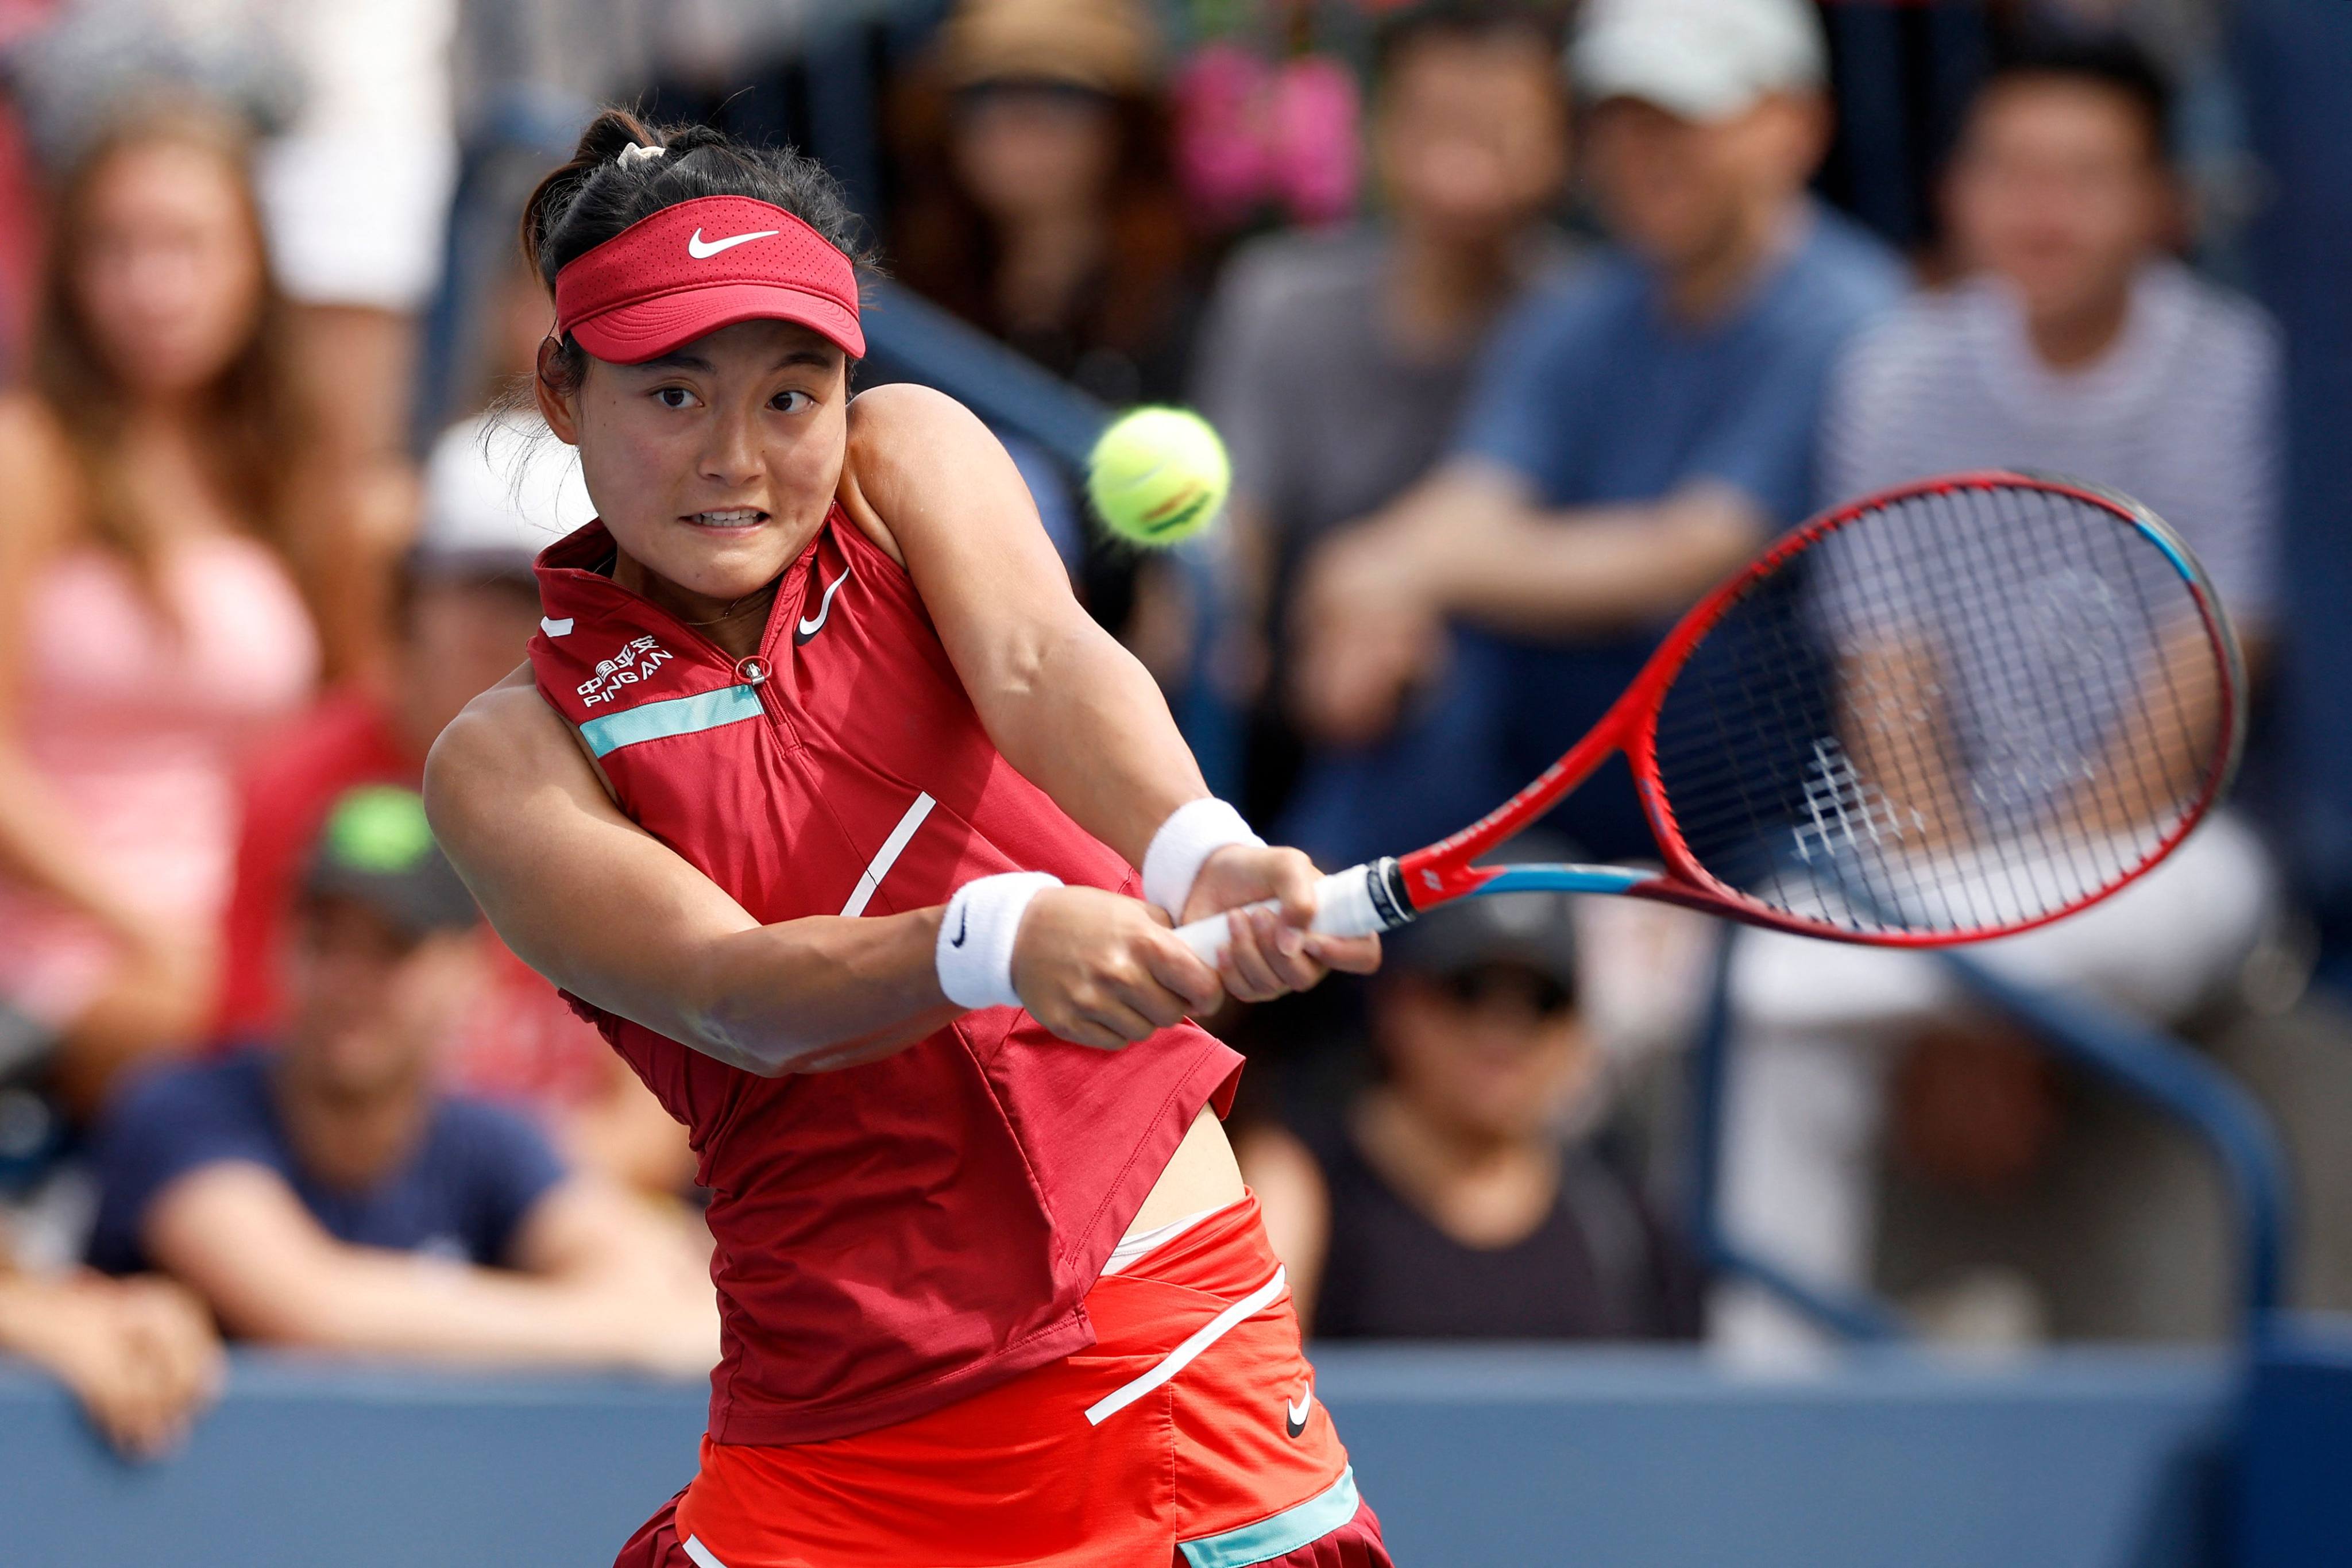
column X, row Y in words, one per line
column 586, row 202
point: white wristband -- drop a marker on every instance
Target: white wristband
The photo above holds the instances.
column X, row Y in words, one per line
column 975, row 953
column 1194, row 832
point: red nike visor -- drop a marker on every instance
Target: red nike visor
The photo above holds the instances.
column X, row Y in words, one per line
column 698, row 266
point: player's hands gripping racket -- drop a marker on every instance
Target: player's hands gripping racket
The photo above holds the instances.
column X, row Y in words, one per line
column 1951, row 711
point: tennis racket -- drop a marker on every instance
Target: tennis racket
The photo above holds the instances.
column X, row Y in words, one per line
column 1953, row 711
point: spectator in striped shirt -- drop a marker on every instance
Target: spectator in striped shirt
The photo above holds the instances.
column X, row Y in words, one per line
column 2072, row 343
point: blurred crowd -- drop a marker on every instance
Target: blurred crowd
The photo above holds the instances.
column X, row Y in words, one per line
column 1524, row 322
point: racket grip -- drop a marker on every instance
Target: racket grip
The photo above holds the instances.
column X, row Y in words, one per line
column 1361, row 900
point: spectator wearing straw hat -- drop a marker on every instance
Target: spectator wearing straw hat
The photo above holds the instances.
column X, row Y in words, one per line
column 1040, row 205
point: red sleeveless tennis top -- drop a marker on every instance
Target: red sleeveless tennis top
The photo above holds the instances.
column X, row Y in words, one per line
column 893, row 1237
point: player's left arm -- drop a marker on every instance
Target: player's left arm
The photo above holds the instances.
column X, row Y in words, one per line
column 1060, row 697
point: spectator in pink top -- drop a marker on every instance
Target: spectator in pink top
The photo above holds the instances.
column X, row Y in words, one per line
column 150, row 621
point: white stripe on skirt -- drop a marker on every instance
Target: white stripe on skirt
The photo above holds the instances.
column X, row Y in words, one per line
column 1183, row 1356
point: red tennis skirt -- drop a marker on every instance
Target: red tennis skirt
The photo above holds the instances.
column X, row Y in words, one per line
column 1189, row 1435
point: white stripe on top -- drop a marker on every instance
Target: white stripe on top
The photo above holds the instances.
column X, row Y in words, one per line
column 888, row 856
column 703, row 1556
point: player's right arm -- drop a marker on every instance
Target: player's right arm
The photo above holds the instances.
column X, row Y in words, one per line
column 613, row 915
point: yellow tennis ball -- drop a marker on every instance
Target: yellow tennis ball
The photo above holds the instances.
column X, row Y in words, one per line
column 1158, row 476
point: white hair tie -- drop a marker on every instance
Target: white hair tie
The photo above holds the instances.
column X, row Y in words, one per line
column 638, row 152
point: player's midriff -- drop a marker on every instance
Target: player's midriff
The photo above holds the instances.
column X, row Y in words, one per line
column 900, row 1234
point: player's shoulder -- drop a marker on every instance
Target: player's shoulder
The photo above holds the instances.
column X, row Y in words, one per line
column 904, row 414
column 504, row 737
column 510, row 714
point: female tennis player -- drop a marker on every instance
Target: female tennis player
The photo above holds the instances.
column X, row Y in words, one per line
column 820, row 793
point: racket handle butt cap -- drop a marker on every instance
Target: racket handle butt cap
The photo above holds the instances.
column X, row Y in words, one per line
column 1353, row 903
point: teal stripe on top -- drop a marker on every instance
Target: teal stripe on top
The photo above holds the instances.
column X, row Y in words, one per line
column 1288, row 1531
column 677, row 716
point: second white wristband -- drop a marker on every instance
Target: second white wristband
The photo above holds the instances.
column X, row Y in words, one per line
column 1194, row 832
column 975, row 953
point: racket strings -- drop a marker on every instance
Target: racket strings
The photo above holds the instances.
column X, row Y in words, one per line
column 1965, row 709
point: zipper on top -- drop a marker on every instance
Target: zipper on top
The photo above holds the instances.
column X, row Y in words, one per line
column 755, row 670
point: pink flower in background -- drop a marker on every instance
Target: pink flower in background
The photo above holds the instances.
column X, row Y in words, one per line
column 1222, row 161
column 1251, row 134
column 1317, row 161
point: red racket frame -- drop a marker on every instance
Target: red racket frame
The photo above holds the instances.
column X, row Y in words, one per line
column 1443, row 872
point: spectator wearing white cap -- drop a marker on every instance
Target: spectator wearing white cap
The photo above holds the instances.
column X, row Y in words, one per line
column 1635, row 433
column 494, row 494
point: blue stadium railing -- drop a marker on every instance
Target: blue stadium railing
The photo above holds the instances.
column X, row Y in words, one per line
column 2152, row 1067
column 1000, row 386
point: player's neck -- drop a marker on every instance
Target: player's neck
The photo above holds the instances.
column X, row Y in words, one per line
column 738, row 625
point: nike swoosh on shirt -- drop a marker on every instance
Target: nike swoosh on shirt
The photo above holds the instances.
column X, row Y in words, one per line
column 1295, row 1416
column 808, row 627
column 703, row 249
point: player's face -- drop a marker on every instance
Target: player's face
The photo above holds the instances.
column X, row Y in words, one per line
column 2058, row 191
column 1495, row 1054
column 715, row 465
column 1472, row 137
column 168, row 267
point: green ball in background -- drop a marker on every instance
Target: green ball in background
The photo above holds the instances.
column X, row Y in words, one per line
column 1158, row 476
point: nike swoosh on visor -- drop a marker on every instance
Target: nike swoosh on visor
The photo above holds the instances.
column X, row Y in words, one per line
column 703, row 249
